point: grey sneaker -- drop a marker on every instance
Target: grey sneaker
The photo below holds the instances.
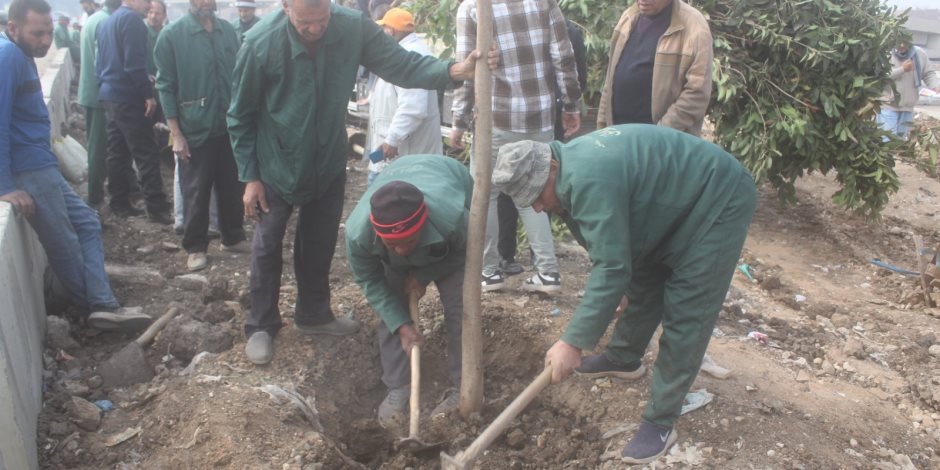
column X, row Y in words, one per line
column 259, row 348
column 341, row 326
column 125, row 319
column 648, row 444
column 451, row 400
column 197, row 261
column 599, row 366
column 238, row 247
column 392, row 409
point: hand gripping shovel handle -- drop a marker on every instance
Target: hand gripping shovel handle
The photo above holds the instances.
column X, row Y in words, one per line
column 415, row 400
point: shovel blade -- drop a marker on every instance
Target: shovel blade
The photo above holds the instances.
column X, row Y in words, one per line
column 451, row 463
column 416, row 446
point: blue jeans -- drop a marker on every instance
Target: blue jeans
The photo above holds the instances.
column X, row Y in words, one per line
column 896, row 122
column 70, row 233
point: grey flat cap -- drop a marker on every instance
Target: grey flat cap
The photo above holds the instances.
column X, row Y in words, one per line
column 522, row 170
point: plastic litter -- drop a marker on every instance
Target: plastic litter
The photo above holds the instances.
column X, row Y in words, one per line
column 695, row 400
column 104, row 405
column 761, row 338
column 746, row 269
column 799, row 298
column 556, row 311
column 72, row 157
column 195, row 362
column 901, row 271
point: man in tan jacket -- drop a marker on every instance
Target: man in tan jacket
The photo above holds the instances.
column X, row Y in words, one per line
column 660, row 68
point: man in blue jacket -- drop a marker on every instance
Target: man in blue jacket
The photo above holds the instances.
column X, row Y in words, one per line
column 127, row 97
column 31, row 182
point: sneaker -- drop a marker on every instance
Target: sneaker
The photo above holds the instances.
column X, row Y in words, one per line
column 197, row 261
column 125, row 210
column 126, row 319
column 543, row 282
column 161, row 217
column 449, row 404
column 238, row 247
column 259, row 348
column 510, row 268
column 493, row 282
column 599, row 366
column 648, row 444
column 392, row 409
column 341, row 326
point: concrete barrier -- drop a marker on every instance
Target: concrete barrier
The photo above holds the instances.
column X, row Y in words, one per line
column 22, row 310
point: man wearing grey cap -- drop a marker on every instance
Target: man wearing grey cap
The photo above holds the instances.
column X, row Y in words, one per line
column 246, row 18
column 663, row 216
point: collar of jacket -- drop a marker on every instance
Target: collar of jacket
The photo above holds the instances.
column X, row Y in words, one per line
column 195, row 27
column 331, row 36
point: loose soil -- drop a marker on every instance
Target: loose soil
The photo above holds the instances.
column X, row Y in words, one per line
column 844, row 381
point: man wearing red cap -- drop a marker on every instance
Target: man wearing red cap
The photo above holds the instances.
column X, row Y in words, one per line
column 402, row 121
column 409, row 229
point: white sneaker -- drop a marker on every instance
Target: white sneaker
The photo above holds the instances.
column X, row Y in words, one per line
column 493, row 282
column 543, row 282
column 392, row 409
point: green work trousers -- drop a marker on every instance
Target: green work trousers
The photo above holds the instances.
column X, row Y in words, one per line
column 685, row 297
column 97, row 142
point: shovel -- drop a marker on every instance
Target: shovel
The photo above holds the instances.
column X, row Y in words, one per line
column 464, row 459
column 129, row 365
column 413, row 443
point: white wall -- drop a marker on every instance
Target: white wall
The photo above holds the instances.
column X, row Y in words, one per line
column 22, row 309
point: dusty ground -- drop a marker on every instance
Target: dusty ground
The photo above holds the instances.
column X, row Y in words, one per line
column 845, row 381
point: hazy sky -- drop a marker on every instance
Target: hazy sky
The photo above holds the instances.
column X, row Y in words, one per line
column 914, row 3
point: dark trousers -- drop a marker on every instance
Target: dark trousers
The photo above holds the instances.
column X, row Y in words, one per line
column 130, row 140
column 314, row 244
column 396, row 365
column 508, row 224
column 212, row 164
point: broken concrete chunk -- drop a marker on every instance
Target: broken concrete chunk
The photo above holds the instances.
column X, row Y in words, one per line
column 84, row 414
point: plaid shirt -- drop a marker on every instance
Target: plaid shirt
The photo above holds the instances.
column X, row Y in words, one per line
column 535, row 55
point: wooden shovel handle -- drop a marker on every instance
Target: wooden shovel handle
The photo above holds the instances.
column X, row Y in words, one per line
column 151, row 332
column 505, row 418
column 415, row 400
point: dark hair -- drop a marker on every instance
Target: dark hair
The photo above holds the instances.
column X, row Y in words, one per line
column 161, row 2
column 112, row 4
column 19, row 9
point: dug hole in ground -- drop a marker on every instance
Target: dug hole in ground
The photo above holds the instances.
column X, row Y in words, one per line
column 848, row 374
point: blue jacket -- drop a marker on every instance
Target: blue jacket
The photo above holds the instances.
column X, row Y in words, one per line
column 24, row 119
column 122, row 58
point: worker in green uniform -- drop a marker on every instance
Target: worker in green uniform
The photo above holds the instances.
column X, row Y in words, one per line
column 409, row 229
column 291, row 86
column 246, row 18
column 95, row 133
column 63, row 38
column 155, row 21
column 195, row 56
column 663, row 216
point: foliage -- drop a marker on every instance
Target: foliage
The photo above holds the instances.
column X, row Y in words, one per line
column 796, row 85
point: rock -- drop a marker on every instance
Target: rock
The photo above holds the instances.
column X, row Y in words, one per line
column 220, row 289
column 146, row 249
column 184, row 338
column 934, row 350
column 516, row 439
column 57, row 334
column 58, row 428
column 803, row 376
column 827, row 367
column 128, row 366
column 75, row 388
column 84, row 414
column 94, row 381
column 134, row 275
column 219, row 312
column 170, row 247
column 840, row 320
column 192, row 282
column 854, row 348
column 927, row 340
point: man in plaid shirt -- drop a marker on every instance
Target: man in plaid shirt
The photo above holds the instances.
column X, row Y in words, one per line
column 536, row 55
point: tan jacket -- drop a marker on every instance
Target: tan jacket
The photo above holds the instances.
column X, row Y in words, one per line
column 682, row 71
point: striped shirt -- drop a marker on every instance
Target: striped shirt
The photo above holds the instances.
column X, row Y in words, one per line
column 535, row 55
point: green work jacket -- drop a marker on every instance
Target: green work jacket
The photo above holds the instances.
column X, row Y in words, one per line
column 87, row 80
column 442, row 246
column 241, row 29
column 194, row 75
column 635, row 195
column 61, row 37
column 287, row 118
